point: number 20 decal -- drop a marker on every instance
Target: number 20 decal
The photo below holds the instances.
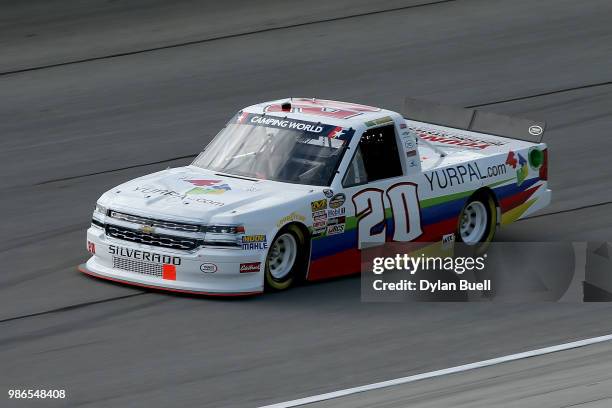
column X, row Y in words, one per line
column 370, row 213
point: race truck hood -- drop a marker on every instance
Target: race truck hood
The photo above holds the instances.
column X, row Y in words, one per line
column 191, row 193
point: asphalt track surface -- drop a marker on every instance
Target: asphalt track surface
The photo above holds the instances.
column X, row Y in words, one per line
column 95, row 93
column 574, row 378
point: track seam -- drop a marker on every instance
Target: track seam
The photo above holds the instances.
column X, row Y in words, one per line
column 222, row 37
column 72, row 307
column 584, row 207
column 522, row 98
column 114, row 170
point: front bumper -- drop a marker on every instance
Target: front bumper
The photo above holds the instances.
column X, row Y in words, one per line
column 207, row 271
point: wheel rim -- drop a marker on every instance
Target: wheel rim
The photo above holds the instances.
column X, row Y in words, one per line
column 473, row 223
column 282, row 256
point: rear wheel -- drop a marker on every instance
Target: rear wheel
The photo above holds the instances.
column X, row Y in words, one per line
column 478, row 222
column 285, row 259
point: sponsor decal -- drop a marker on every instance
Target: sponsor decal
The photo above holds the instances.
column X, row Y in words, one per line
column 287, row 124
column 91, row 247
column 208, row 267
column 336, row 212
column 337, row 200
column 317, row 232
column 291, row 217
column 320, row 213
column 521, row 174
column 437, row 136
column 170, row 194
column 322, row 107
column 208, row 187
column 249, row 267
column 319, row 224
column 318, row 205
column 409, row 144
column 410, row 147
column 536, row 158
column 251, row 242
column 336, row 132
column 515, row 160
column 328, row 193
column 448, row 240
column 335, row 229
column 380, row 121
column 511, row 159
column 310, row 130
column 143, row 255
column 403, row 126
column 462, row 173
column 336, row 220
column 535, row 130
column 320, row 218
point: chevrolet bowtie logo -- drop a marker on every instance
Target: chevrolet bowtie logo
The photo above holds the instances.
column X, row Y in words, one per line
column 147, row 229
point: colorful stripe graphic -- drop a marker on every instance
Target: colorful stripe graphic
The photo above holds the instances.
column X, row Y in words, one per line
column 337, row 255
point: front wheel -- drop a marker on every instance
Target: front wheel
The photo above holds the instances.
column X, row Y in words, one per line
column 285, row 258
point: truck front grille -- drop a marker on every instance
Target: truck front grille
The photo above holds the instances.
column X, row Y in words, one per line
column 165, row 241
column 143, row 268
column 153, row 222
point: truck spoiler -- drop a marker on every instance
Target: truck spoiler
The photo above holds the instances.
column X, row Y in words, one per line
column 474, row 120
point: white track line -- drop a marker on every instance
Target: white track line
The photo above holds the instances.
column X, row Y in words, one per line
column 438, row 373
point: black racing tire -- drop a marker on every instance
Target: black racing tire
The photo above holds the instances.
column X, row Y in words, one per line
column 473, row 230
column 281, row 276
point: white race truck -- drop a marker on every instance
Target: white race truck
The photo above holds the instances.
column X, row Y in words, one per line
column 293, row 189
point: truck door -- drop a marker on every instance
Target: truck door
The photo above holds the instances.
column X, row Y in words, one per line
column 383, row 200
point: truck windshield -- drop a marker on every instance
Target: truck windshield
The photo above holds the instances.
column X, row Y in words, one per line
column 279, row 149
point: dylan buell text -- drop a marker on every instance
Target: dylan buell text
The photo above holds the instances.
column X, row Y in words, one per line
column 425, row 285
